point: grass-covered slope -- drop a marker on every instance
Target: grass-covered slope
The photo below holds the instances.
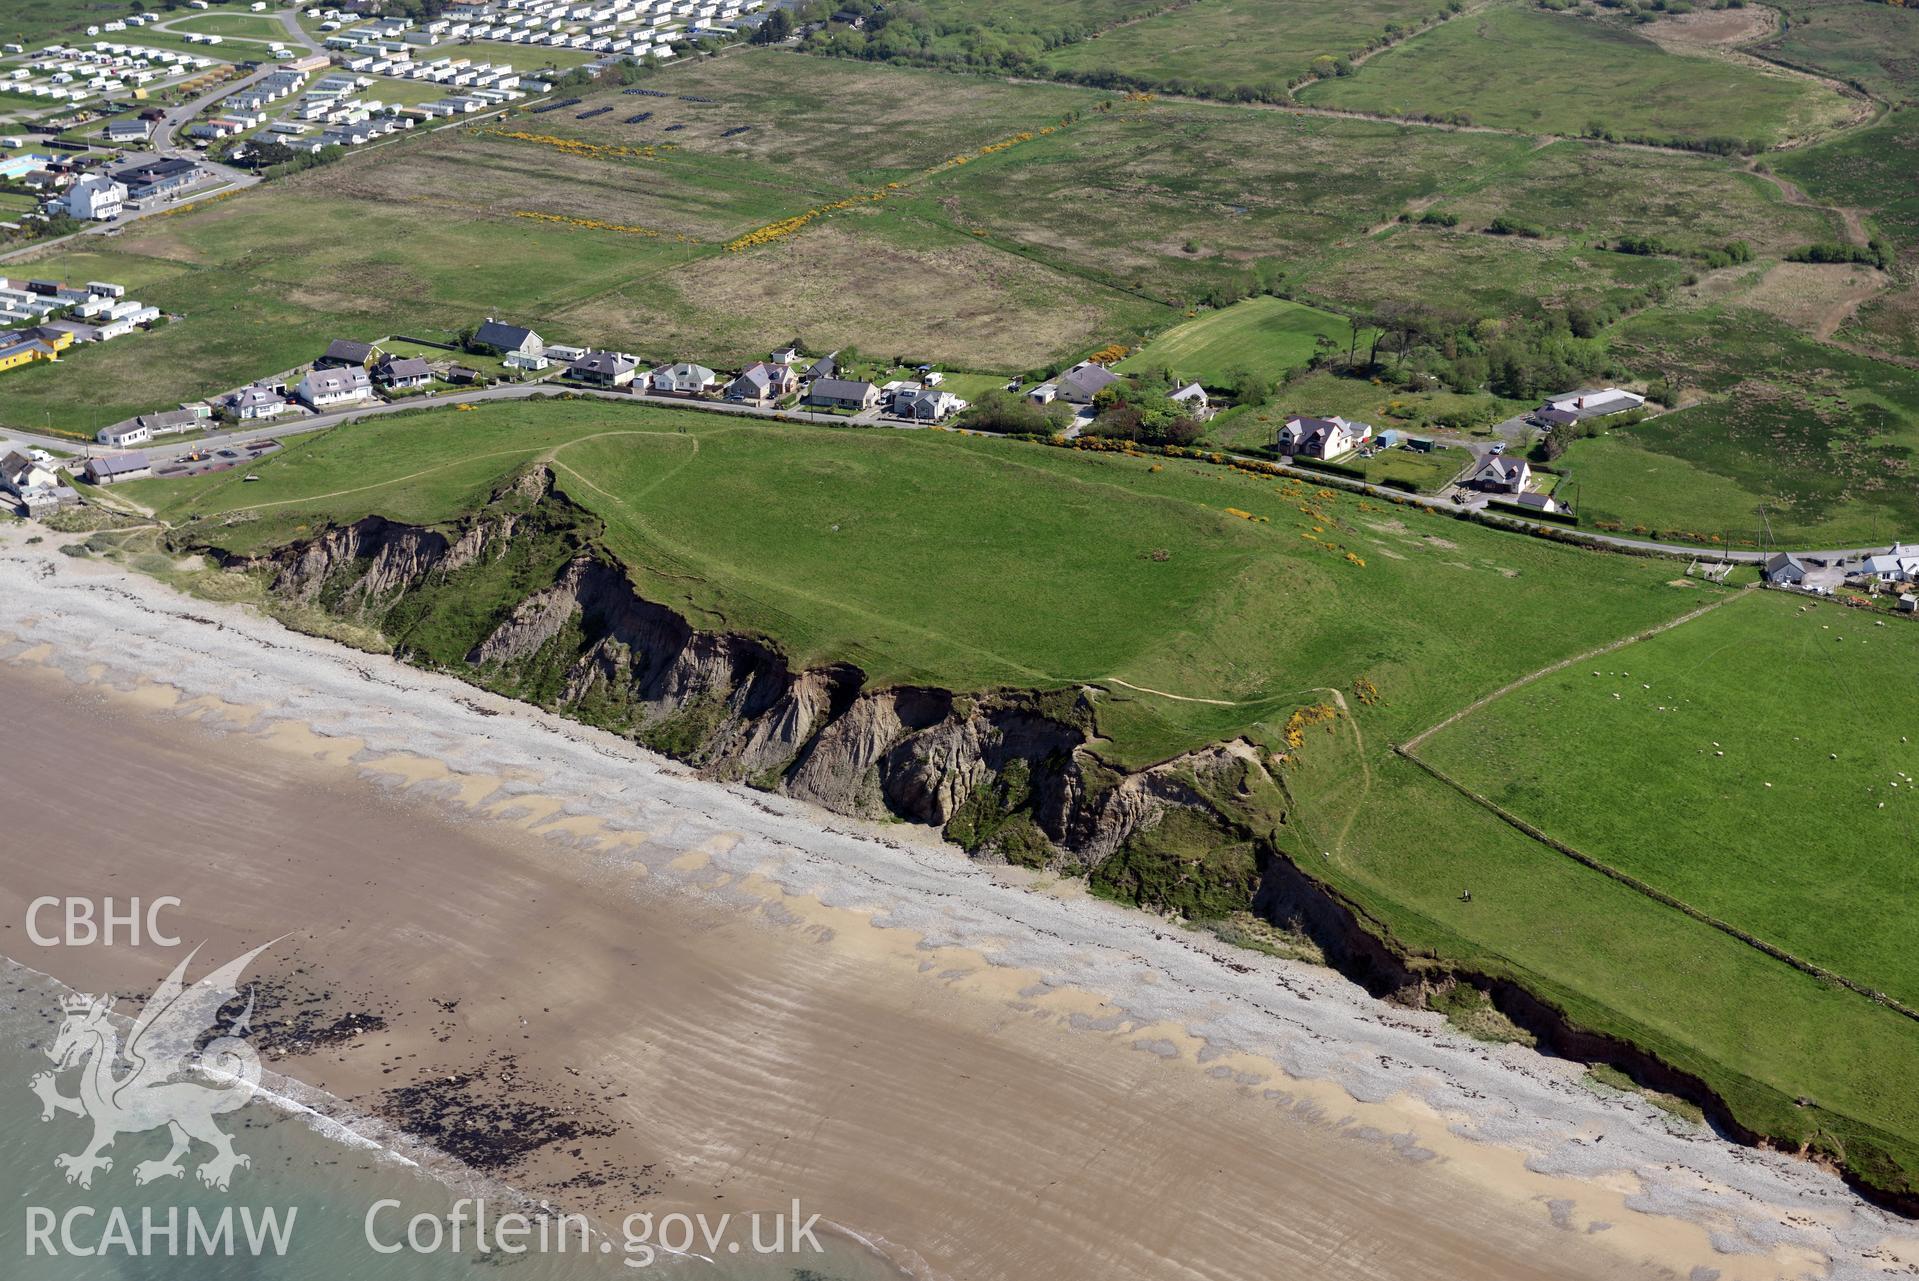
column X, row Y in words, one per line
column 1203, row 604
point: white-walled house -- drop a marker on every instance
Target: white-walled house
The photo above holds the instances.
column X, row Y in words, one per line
column 328, row 388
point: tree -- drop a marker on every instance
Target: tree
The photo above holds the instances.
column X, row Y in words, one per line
column 777, row 27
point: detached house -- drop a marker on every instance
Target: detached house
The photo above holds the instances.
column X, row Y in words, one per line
column 920, row 402
column 505, row 340
column 255, row 403
column 683, row 379
column 762, row 383
column 342, row 352
column 329, row 388
column 1783, row 569
column 1303, row 436
column 1192, row 398
column 1501, row 474
column 402, row 374
column 603, row 369
column 839, row 393
column 1078, row 385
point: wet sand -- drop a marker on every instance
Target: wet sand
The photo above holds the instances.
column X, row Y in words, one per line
column 738, row 1000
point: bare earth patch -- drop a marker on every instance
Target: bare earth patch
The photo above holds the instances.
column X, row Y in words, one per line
column 1816, row 298
column 1713, row 28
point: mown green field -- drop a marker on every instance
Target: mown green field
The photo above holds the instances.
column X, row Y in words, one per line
column 1235, row 48
column 974, row 563
column 1523, row 68
column 1786, row 801
column 1260, row 335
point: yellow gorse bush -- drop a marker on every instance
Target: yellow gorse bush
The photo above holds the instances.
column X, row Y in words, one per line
column 594, row 224
column 785, row 227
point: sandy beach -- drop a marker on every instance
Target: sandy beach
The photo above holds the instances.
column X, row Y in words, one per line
column 690, row 995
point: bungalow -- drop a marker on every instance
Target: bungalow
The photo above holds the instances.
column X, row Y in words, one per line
column 15, row 352
column 342, row 352
column 138, row 430
column 126, row 434
column 1078, row 385
column 603, row 369
column 1192, row 398
column 839, row 393
column 118, row 467
column 326, row 388
column 762, row 383
column 827, row 366
column 1899, row 564
column 503, row 339
column 683, row 379
column 254, row 403
column 1501, row 474
column 402, row 374
column 1303, row 436
column 125, row 132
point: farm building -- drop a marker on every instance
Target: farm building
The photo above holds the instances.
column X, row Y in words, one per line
column 118, row 467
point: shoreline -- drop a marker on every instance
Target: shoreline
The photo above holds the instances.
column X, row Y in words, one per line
column 1297, row 1054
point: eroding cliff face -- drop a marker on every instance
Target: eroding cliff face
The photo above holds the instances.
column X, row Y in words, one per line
column 520, row 599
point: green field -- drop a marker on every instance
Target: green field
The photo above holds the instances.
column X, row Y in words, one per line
column 1785, row 805
column 1260, row 334
column 973, row 564
column 1522, row 68
column 1821, row 438
column 1427, row 473
column 249, row 26
column 1234, row 48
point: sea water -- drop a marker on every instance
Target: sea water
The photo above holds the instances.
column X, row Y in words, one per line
column 313, row 1177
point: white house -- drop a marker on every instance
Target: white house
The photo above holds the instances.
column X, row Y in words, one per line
column 1899, row 564
column 256, row 403
column 95, row 198
column 1501, row 474
column 326, row 388
column 683, row 379
column 123, row 435
column 1303, row 436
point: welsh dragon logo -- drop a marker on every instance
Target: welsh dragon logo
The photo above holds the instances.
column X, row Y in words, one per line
column 171, row 1078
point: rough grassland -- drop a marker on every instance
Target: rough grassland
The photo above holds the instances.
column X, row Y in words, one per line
column 1264, row 334
column 1521, row 68
column 1871, row 45
column 970, row 562
column 1786, row 802
column 1220, row 46
column 1824, row 439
